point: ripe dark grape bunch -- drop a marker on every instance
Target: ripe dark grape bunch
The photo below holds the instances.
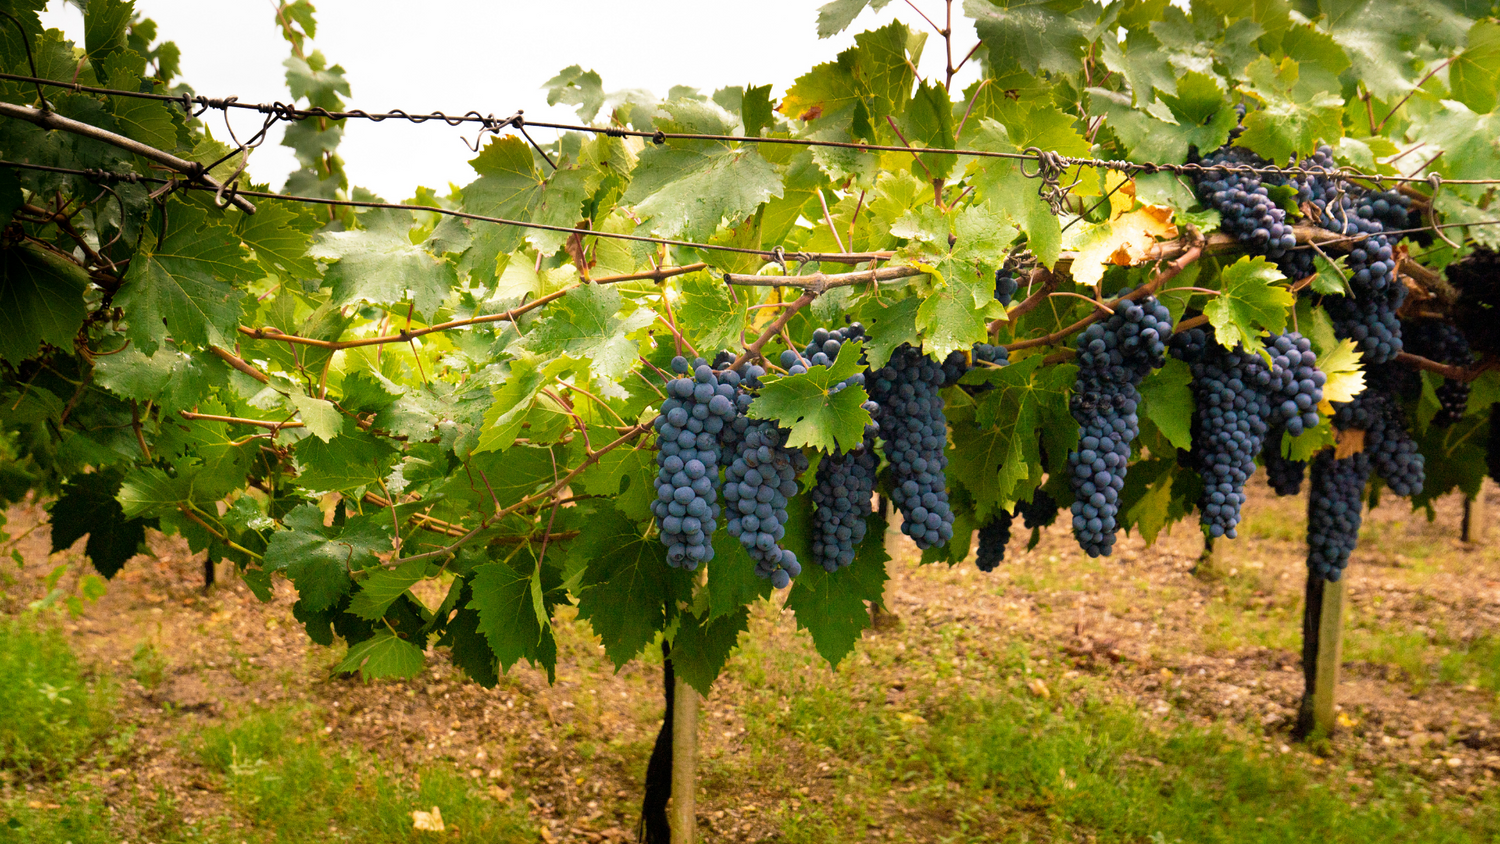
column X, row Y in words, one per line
column 1113, row 357
column 1333, row 511
column 1443, row 342
column 1247, row 211
column 699, row 404
column 846, row 480
column 914, row 431
column 1368, row 314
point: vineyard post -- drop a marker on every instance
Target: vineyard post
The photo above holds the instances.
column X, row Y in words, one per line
column 1322, row 652
column 683, row 816
column 1474, row 517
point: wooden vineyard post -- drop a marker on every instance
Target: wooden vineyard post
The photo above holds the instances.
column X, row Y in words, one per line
column 1474, row 517
column 1322, row 651
column 683, row 814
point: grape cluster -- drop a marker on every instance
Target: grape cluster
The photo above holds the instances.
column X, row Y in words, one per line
column 1392, row 453
column 1476, row 276
column 844, row 481
column 1333, row 511
column 993, row 538
column 699, row 404
column 1232, row 389
column 956, row 365
column 1391, row 208
column 1006, row 285
column 914, row 432
column 1443, row 342
column 1296, row 383
column 1113, row 356
column 1368, row 314
column 1284, row 473
column 1247, row 211
column 1040, row 511
column 757, row 487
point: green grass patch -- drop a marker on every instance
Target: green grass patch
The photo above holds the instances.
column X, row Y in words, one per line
column 1011, row 766
column 51, row 711
column 293, row 785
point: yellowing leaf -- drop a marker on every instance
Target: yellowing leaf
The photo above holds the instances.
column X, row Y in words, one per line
column 1346, row 378
column 1350, row 443
column 427, row 821
column 1123, row 241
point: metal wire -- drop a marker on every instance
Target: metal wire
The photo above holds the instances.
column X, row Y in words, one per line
column 1046, row 161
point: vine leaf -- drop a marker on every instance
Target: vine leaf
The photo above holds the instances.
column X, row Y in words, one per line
column 702, row 646
column 318, row 559
column 808, row 405
column 1371, row 33
column 280, row 234
column 835, row 17
column 585, row 325
column 1121, row 241
column 1249, row 303
column 41, row 301
column 379, row 264
column 994, row 461
column 319, row 415
column 708, row 315
column 1035, row 35
column 1475, row 73
column 511, row 618
column 383, row 586
column 832, row 607
column 1167, row 398
column 1346, row 377
column 626, row 586
column 383, row 655
column 1294, row 119
column 346, row 462
column 688, row 188
column 88, row 506
column 184, row 288
column 1199, row 116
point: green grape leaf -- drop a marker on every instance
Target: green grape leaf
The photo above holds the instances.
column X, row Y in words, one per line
column 928, row 122
column 708, row 315
column 1035, row 35
column 184, row 288
column 1474, row 75
column 383, row 655
column 832, row 607
column 470, row 649
column 585, row 326
column 1167, row 400
column 88, row 506
column 346, row 462
column 1293, row 120
column 152, row 492
column 41, row 301
column 702, row 646
column 757, row 112
column 280, row 234
column 1249, row 303
column 688, row 188
column 319, row 415
column 732, row 582
column 379, row 264
column 806, row 404
column 318, row 559
column 513, row 400
column 512, row 619
column 1154, row 508
column 836, row 16
column 627, row 585
column 577, row 87
column 104, row 27
column 383, row 586
column 1029, row 407
column 1201, row 118
column 1371, row 33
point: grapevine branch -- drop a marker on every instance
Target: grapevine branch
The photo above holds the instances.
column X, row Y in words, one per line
column 631, row 434
column 54, row 121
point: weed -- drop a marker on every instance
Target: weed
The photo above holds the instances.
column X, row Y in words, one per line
column 50, row 712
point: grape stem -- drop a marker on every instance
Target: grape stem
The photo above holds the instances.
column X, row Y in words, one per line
column 1192, row 254
column 754, row 349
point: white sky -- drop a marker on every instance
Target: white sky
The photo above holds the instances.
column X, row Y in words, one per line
column 492, row 57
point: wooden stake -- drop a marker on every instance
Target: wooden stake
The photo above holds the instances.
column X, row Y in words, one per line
column 683, row 813
column 1474, row 517
column 1322, row 652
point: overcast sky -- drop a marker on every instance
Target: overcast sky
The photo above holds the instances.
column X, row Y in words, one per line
column 492, row 56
